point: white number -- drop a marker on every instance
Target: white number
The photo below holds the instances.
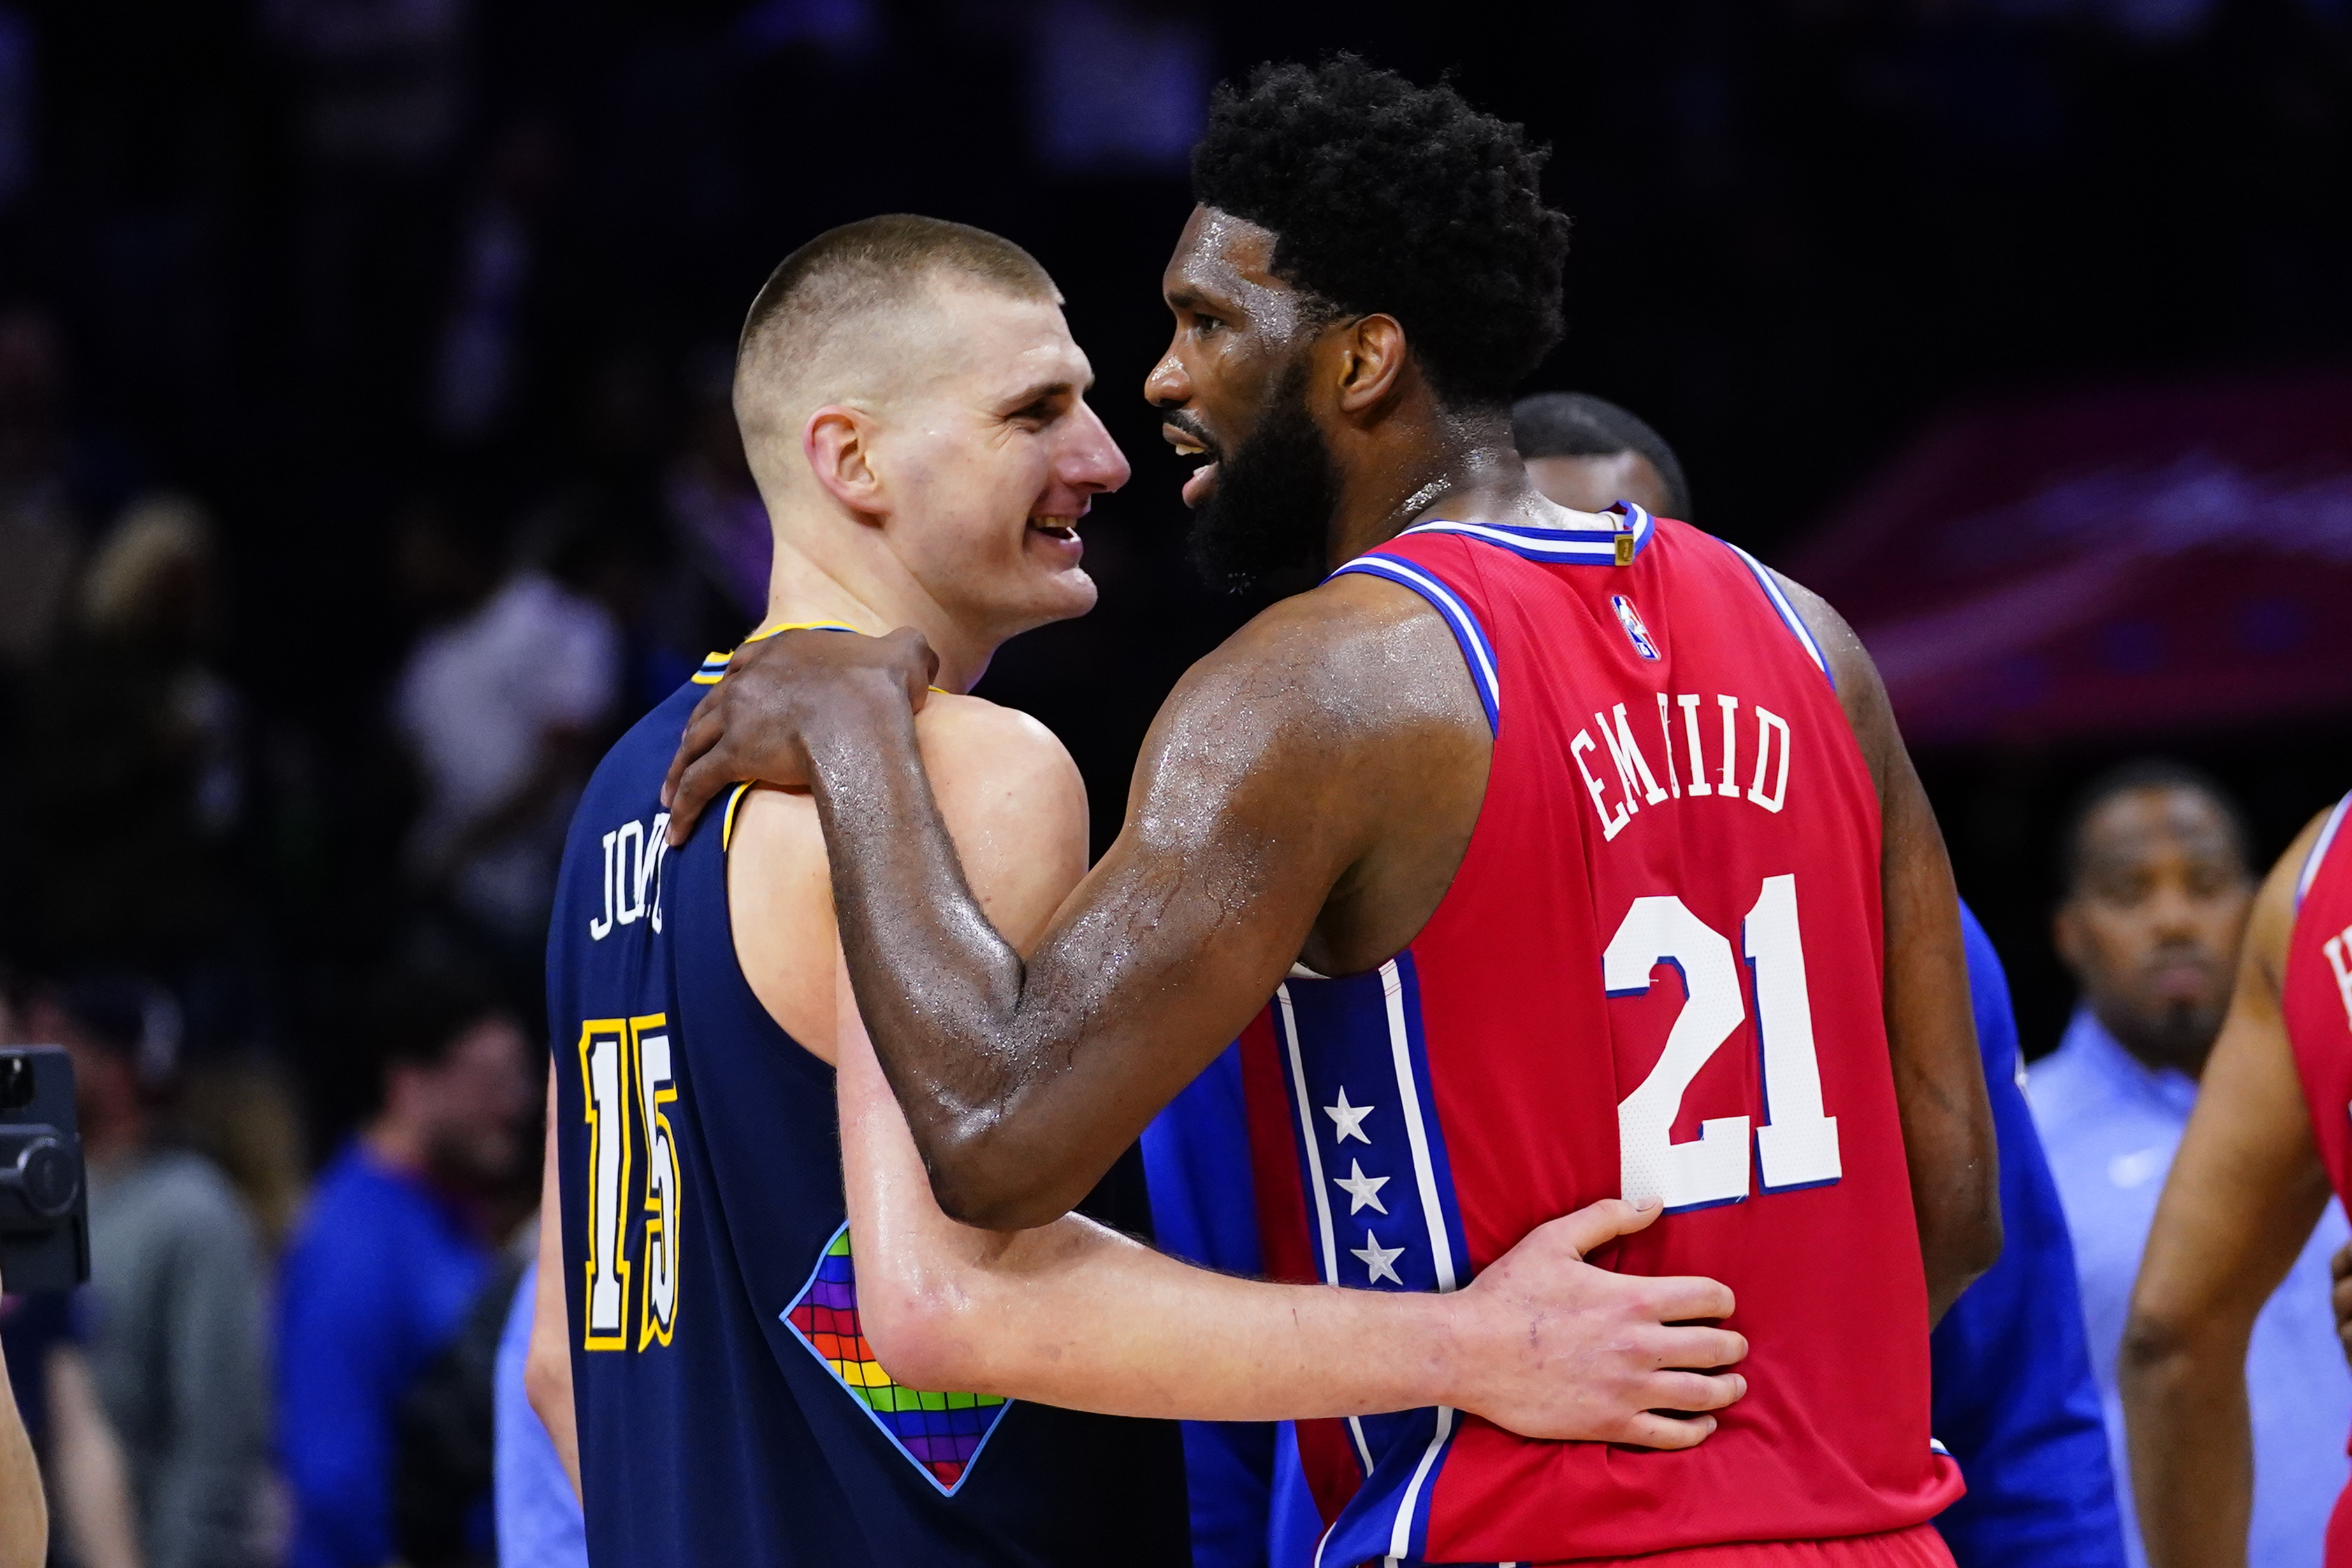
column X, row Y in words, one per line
column 1797, row 1145
column 621, row 1062
column 1713, row 1167
column 603, row 1049
column 660, row 1309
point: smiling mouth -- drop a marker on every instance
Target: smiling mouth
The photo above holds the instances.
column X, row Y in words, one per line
column 1062, row 527
column 1203, row 478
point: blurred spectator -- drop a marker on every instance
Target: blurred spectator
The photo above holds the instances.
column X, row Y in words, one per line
column 447, row 1435
column 241, row 1113
column 2157, row 884
column 501, row 705
column 175, row 1349
column 391, row 1255
column 133, row 756
column 1587, row 453
column 40, row 540
column 540, row 1521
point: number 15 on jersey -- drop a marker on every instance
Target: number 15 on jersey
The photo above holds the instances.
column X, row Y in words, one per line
column 625, row 1072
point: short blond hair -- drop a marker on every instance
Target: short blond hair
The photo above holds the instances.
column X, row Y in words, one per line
column 810, row 331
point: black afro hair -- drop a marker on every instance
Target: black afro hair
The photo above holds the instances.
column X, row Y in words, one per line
column 1385, row 196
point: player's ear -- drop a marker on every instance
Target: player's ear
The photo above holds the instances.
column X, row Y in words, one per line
column 1370, row 352
column 838, row 442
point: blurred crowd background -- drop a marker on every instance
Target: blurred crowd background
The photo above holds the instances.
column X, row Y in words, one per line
column 366, row 466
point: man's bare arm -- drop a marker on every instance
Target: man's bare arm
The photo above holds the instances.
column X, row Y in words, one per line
column 1271, row 771
column 1077, row 1315
column 547, row 1363
column 1949, row 1139
column 2245, row 1190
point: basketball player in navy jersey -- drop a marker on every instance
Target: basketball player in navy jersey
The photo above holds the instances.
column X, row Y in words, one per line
column 743, row 1318
column 1392, row 780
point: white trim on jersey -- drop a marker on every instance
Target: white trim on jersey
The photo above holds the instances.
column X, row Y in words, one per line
column 1788, row 612
column 1315, row 1171
column 2310, row 873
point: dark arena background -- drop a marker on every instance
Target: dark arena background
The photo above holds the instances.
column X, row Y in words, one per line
column 2019, row 329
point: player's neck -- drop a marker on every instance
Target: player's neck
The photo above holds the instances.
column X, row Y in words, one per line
column 1429, row 463
column 871, row 593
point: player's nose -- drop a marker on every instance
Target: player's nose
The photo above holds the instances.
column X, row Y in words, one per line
column 1170, row 384
column 1092, row 460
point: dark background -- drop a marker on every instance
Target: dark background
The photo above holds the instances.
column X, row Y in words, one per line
column 1802, row 229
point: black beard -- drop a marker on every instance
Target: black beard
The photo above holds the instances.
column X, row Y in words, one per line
column 1267, row 522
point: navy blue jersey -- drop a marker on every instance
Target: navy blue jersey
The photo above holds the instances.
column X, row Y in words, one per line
column 729, row 1408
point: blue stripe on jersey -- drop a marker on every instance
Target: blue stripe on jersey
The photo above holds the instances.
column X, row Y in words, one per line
column 2310, row 873
column 1477, row 653
column 1357, row 1070
column 1556, row 546
column 1788, row 613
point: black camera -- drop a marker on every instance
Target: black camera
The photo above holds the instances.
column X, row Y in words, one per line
column 44, row 1206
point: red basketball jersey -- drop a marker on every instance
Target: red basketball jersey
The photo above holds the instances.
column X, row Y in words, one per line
column 2315, row 997
column 1658, row 971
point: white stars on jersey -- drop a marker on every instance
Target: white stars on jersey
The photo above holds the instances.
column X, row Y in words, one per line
column 1378, row 1262
column 1363, row 1192
column 1348, row 1119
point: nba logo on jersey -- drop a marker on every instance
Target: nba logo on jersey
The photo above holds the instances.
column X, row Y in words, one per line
column 1631, row 619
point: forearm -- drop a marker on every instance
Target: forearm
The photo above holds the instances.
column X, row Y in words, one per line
column 1074, row 1315
column 1950, row 1146
column 2192, row 1453
column 23, row 1511
column 547, row 1363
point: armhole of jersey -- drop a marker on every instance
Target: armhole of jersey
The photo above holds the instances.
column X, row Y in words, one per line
column 1786, row 612
column 1477, row 653
column 2310, row 862
column 727, row 823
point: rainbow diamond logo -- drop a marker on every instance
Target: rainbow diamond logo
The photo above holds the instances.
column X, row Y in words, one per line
column 941, row 1433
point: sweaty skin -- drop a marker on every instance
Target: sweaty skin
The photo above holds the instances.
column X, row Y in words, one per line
column 2245, row 1190
column 923, row 502
column 1305, row 793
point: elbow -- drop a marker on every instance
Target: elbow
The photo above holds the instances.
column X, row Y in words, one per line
column 547, row 1380
column 976, row 1183
column 1979, row 1241
column 917, row 1335
column 2149, row 1343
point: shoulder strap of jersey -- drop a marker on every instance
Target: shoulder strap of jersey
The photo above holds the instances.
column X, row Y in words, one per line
column 2310, row 862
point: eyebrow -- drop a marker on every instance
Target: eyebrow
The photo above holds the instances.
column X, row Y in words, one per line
column 1037, row 391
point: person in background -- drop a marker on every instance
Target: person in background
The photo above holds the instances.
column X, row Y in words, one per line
column 2014, row 1398
column 391, row 1255
column 499, row 704
column 541, row 1524
column 174, row 1341
column 2159, row 882
column 1585, row 452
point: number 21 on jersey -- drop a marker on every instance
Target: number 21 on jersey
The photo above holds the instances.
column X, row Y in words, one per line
column 625, row 1070
column 1797, row 1146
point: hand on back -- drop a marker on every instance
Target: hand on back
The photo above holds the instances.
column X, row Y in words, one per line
column 1559, row 1349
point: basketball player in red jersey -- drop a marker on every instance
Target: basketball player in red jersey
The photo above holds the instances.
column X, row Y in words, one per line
column 2272, row 1131
column 1520, row 778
